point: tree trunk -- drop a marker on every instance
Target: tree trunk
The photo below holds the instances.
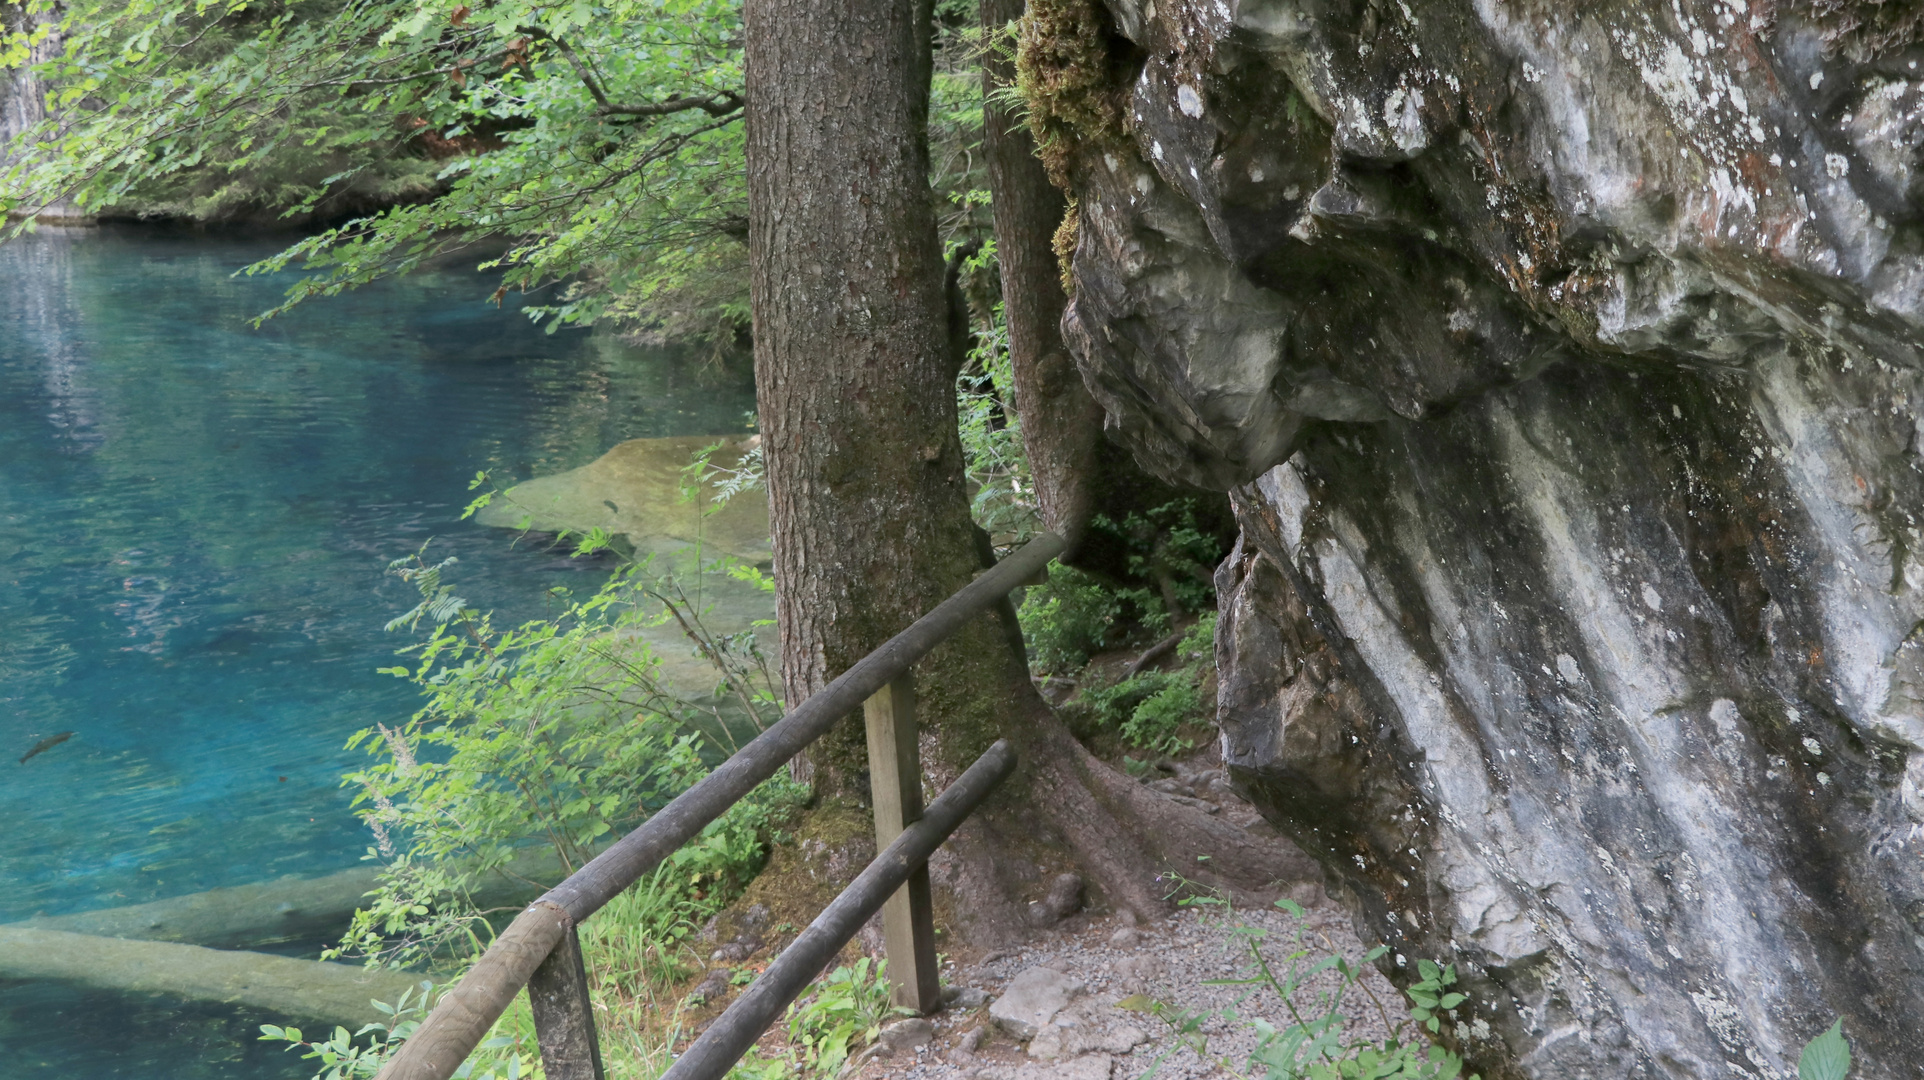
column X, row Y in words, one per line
column 1061, row 422
column 866, row 496
column 867, row 501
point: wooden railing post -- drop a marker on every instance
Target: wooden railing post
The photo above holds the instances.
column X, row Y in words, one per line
column 895, row 784
column 564, row 1017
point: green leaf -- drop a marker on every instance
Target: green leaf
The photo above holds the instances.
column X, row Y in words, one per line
column 1827, row 1057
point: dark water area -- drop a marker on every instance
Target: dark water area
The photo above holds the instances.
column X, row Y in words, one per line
column 195, row 516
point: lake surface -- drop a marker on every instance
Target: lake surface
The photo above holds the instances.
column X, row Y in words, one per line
column 195, row 518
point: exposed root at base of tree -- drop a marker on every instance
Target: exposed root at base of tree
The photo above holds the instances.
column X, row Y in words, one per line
column 1132, row 845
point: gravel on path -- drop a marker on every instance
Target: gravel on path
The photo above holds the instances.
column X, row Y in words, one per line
column 1173, row 961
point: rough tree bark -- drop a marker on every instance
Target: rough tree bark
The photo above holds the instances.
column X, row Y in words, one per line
column 866, row 493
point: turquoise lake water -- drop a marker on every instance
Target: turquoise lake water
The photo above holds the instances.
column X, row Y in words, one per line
column 195, row 516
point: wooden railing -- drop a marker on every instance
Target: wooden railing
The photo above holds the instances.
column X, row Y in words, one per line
column 541, row 950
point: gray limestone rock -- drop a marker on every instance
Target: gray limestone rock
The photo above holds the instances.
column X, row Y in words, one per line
column 1032, row 999
column 966, row 1046
column 712, row 987
column 1138, row 974
column 1563, row 363
column 905, row 1037
column 1086, row 1067
column 964, row 998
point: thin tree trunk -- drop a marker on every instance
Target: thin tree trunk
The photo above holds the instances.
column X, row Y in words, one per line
column 1061, row 422
column 869, row 511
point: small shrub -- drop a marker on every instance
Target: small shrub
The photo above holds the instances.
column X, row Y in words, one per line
column 845, row 1013
column 1171, row 562
column 1150, row 710
column 1067, row 619
column 1157, row 723
column 1170, row 552
column 340, row 1056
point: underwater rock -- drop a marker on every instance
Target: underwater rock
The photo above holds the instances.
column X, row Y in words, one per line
column 635, row 491
column 1563, row 362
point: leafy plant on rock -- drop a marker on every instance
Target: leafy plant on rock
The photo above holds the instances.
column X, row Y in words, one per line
column 844, row 1013
column 1826, row 1057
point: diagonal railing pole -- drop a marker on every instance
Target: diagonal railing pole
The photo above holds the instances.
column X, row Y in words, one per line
column 732, row 1033
column 458, row 1023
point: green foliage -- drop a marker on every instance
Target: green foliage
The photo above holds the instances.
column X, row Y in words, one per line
column 559, row 731
column 1171, row 552
column 1151, row 709
column 1171, row 563
column 1826, row 1057
column 1156, row 723
column 1314, row 987
column 556, row 732
column 845, row 1013
column 588, row 150
column 722, row 477
column 1004, row 503
column 340, row 1056
column 1067, row 618
column 580, row 136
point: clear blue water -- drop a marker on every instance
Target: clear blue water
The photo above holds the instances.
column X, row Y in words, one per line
column 194, row 520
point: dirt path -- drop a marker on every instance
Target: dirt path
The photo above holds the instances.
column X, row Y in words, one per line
column 1172, row 961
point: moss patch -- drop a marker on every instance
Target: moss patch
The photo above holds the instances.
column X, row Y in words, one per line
column 1064, row 243
column 831, row 844
column 1067, row 67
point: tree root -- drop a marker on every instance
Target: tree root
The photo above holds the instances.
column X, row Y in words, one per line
column 1134, row 846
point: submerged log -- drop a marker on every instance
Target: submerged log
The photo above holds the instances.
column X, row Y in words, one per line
column 303, row 990
column 285, row 909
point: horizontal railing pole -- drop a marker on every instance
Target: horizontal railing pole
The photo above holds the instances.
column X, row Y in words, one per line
column 730, row 1036
column 461, row 1018
column 464, row 1014
column 673, row 825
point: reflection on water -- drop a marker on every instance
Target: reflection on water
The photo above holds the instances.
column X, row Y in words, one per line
column 194, row 517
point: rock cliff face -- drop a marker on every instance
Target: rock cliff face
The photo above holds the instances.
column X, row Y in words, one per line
column 23, row 96
column 1563, row 361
